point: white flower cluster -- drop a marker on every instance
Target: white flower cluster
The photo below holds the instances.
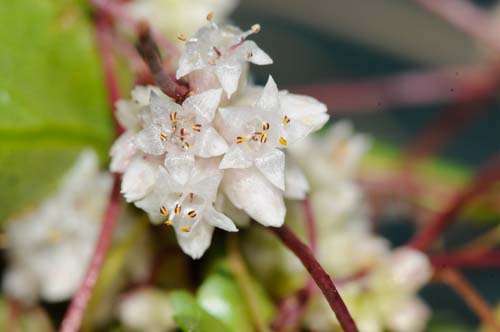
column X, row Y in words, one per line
column 227, row 134
column 378, row 285
column 49, row 247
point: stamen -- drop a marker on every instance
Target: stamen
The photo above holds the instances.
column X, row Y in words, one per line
column 249, row 54
column 191, row 197
column 186, row 146
column 191, row 214
column 182, row 37
column 168, row 222
column 255, row 28
column 265, row 126
column 196, row 127
column 183, row 132
column 217, row 52
column 173, row 116
column 163, row 136
column 190, row 93
column 185, row 229
column 283, row 141
column 240, row 139
column 210, row 16
column 211, row 62
column 286, row 120
column 263, row 138
column 163, row 210
column 177, row 209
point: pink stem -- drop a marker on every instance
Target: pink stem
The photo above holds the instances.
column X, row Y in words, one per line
column 489, row 174
column 475, row 259
column 322, row 279
column 74, row 314
column 461, row 84
column 466, row 16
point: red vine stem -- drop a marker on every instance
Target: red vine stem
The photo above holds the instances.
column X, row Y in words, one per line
column 73, row 318
column 485, row 178
column 473, row 299
column 468, row 259
column 460, row 84
column 466, row 16
column 322, row 279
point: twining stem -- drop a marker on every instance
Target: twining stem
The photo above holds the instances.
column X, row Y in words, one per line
column 463, row 259
column 74, row 314
column 485, row 241
column 485, row 178
column 452, row 84
column 472, row 20
column 473, row 299
column 243, row 279
column 322, row 279
column 149, row 51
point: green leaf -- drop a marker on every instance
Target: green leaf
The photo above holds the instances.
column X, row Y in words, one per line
column 191, row 317
column 52, row 98
column 221, row 296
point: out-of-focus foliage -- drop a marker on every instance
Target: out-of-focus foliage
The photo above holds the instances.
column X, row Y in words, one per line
column 52, row 99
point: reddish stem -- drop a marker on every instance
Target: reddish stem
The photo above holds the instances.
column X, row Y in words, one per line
column 485, row 178
column 322, row 279
column 469, row 259
column 461, row 84
column 473, row 299
column 149, row 51
column 472, row 20
column 73, row 318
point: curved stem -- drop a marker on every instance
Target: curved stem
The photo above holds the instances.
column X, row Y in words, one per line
column 472, row 259
column 486, row 177
column 322, row 279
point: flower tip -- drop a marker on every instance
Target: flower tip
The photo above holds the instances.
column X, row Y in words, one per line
column 256, row 28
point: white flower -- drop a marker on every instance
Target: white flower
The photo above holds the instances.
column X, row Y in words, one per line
column 222, row 52
column 182, row 132
column 51, row 246
column 189, row 207
column 147, row 310
column 172, row 17
column 275, row 120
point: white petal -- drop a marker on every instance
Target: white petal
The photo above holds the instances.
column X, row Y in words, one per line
column 249, row 190
column 272, row 165
column 229, row 76
column 209, row 143
column 21, row 284
column 219, row 220
column 148, row 140
column 235, row 157
column 138, row 179
column 259, row 57
column 127, row 114
column 204, row 104
column 161, row 106
column 197, row 241
column 410, row 316
column 122, row 151
column 188, row 62
column 180, row 165
column 269, row 98
column 296, row 184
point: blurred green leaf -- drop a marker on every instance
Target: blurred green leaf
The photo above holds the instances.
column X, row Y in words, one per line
column 52, row 98
column 191, row 317
column 221, row 296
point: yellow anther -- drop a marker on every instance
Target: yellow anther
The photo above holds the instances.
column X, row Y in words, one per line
column 173, row 116
column 263, row 138
column 168, row 222
column 163, row 210
column 249, row 54
column 177, row 209
column 186, row 146
column 283, row 141
column 185, row 228
column 210, row 16
column 191, row 214
column 255, row 28
column 163, row 136
column 240, row 139
column 196, row 127
column 182, row 37
column 211, row 62
column 286, row 120
column 265, row 126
